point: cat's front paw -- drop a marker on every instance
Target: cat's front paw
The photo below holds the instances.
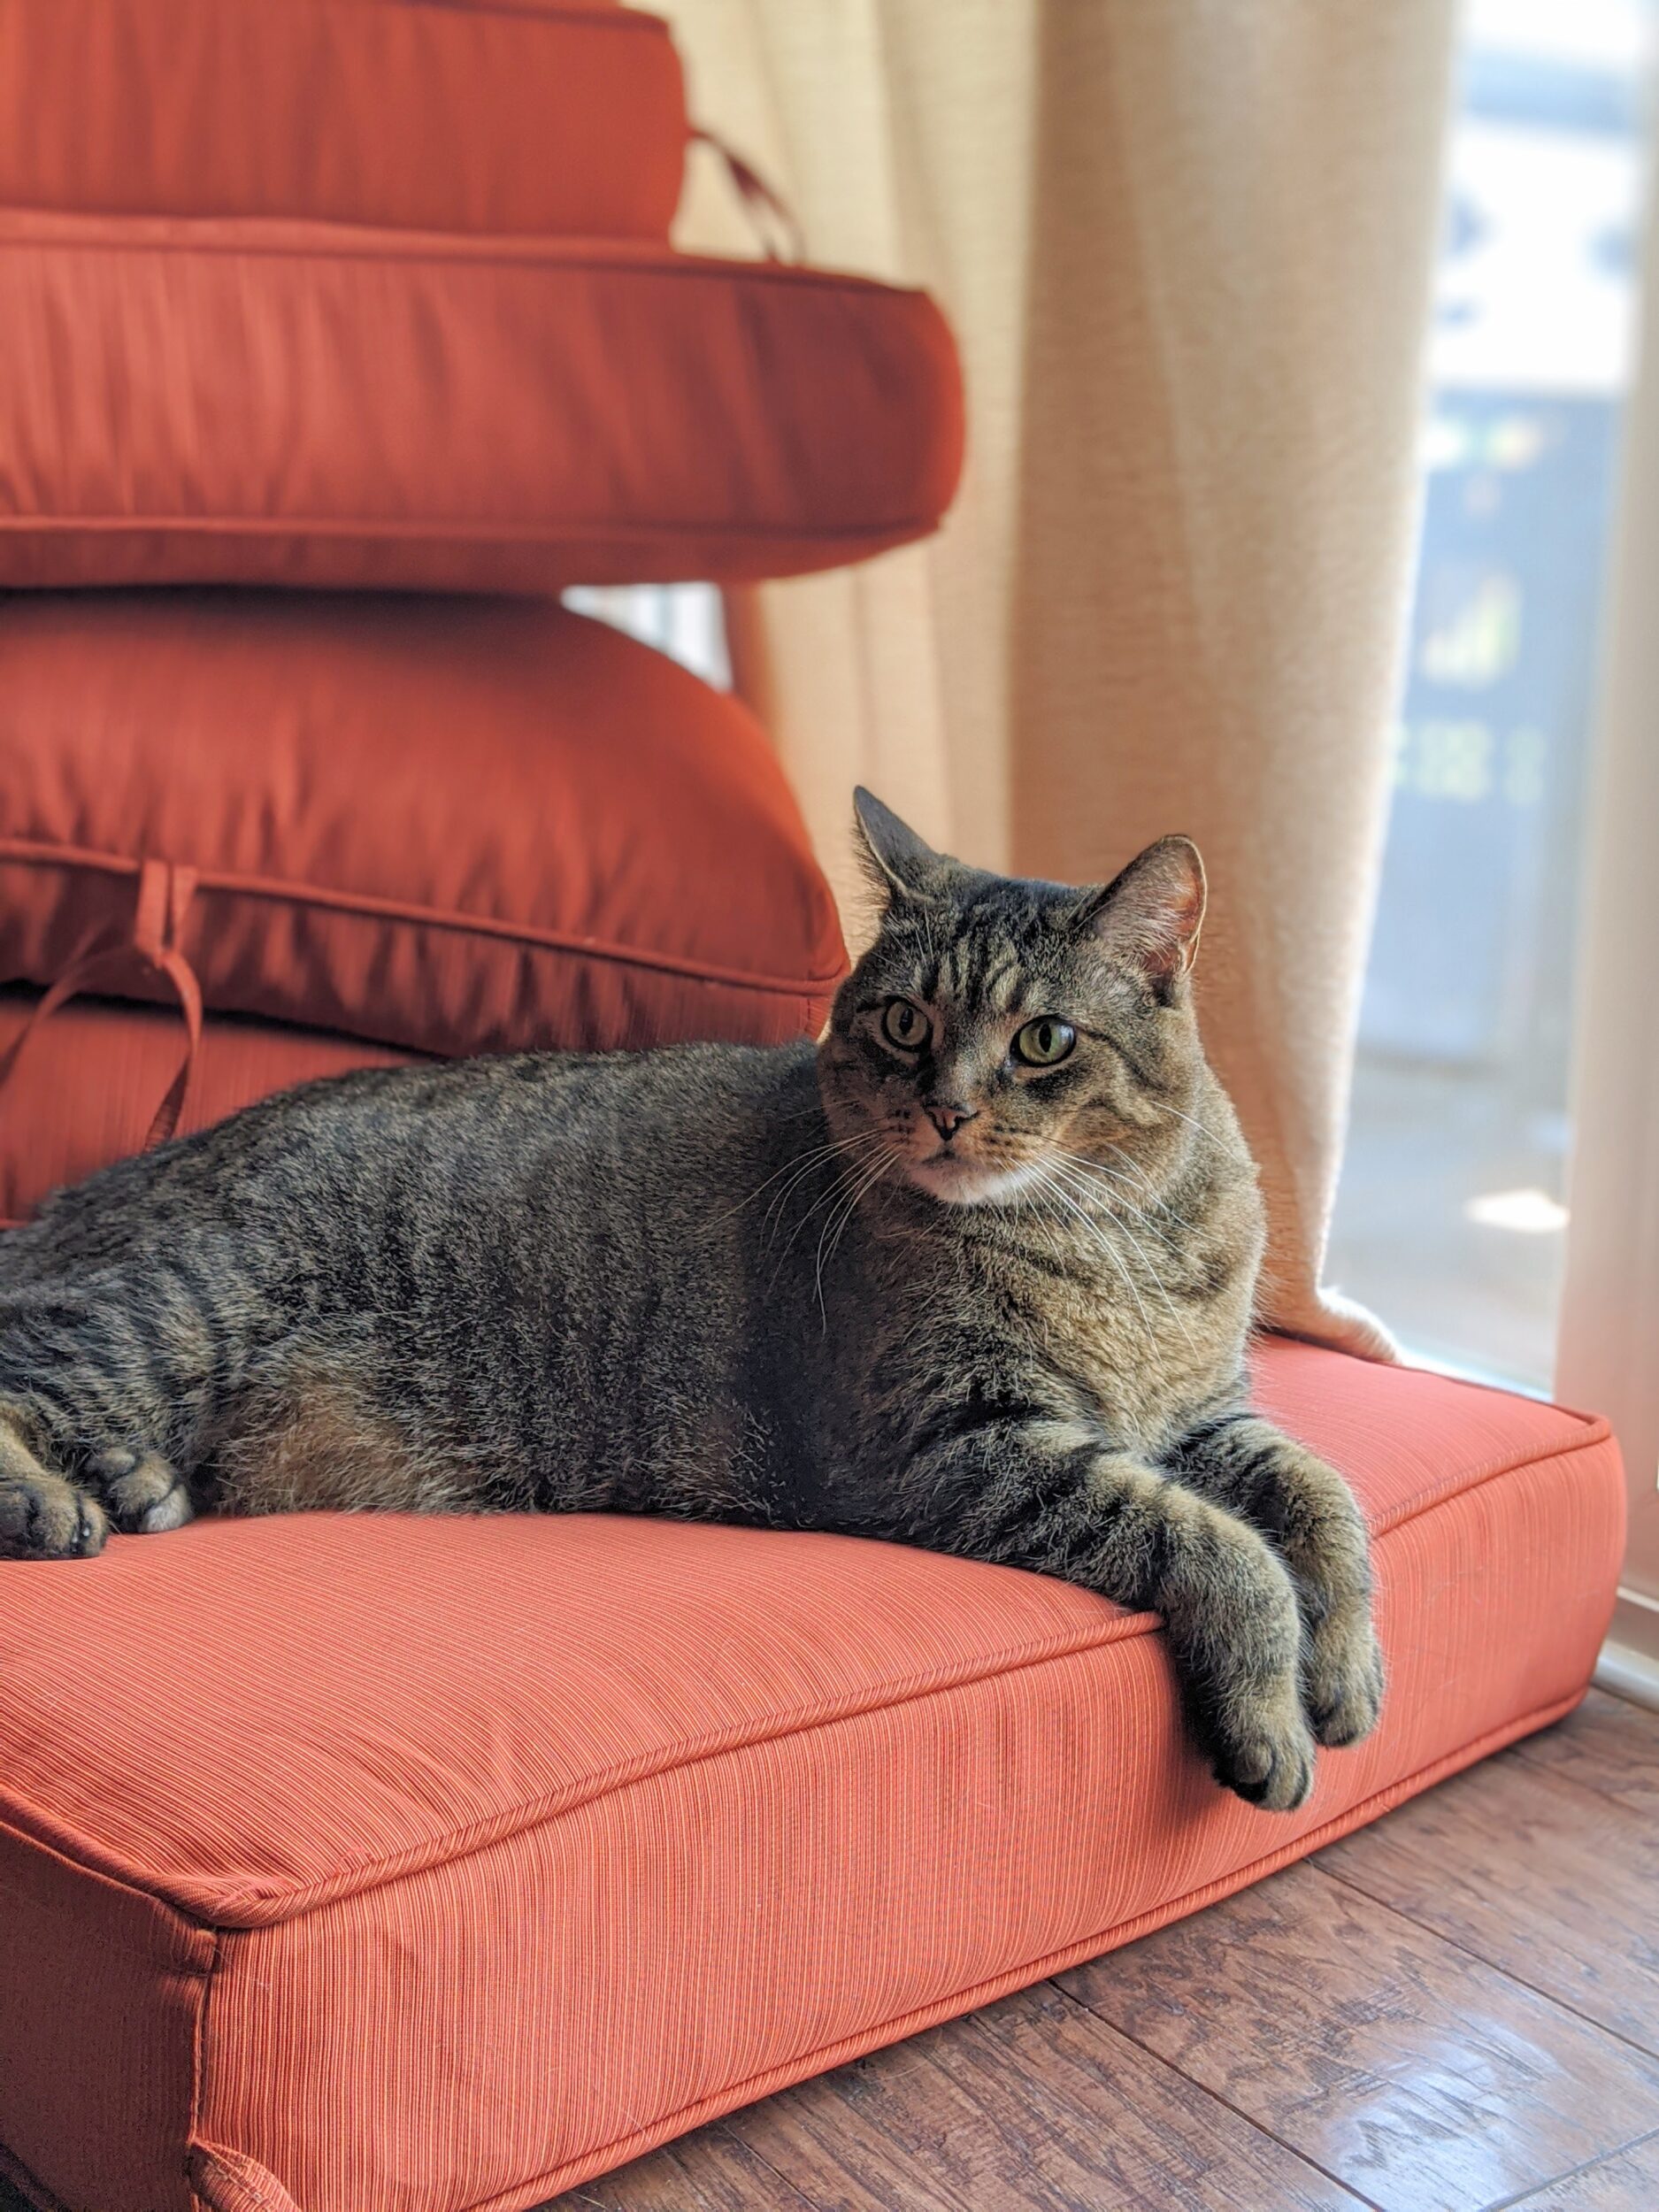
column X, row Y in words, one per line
column 1342, row 1679
column 1266, row 1753
column 42, row 1517
column 145, row 1493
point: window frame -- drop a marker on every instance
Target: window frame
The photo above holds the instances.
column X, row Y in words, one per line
column 1608, row 1341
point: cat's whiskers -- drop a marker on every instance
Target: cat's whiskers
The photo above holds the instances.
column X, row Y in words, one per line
column 800, row 1166
column 1165, row 1108
column 1146, row 1182
column 1030, row 1201
column 850, row 1154
column 804, row 1162
column 872, row 1139
column 1113, row 1220
column 1057, row 1189
column 867, row 1175
column 1080, row 1164
column 799, row 1171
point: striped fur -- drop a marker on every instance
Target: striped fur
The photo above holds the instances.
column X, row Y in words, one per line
column 910, row 1285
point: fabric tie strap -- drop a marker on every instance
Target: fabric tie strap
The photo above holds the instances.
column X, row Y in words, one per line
column 773, row 219
column 164, row 892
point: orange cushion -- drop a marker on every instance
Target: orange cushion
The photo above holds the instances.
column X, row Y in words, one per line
column 256, row 401
column 89, row 1090
column 564, row 118
column 422, row 1864
column 474, row 827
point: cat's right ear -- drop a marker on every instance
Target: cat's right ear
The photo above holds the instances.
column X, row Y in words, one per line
column 901, row 863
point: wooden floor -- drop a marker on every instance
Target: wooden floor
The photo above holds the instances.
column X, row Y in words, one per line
column 1456, row 2008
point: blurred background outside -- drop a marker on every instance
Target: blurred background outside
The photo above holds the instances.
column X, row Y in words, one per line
column 1450, row 1219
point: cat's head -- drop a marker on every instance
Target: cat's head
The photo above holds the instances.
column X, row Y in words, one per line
column 997, row 1028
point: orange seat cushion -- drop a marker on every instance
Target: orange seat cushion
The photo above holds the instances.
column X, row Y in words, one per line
column 496, row 116
column 392, row 1865
column 474, row 827
column 255, row 402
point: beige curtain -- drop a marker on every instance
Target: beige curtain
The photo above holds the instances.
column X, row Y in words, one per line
column 1187, row 245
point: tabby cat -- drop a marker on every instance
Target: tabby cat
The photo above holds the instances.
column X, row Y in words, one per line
column 976, row 1273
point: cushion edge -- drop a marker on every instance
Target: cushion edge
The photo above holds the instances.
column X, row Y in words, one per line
column 528, row 2195
column 228, row 1905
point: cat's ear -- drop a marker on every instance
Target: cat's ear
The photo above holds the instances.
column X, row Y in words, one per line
column 1150, row 915
column 900, row 863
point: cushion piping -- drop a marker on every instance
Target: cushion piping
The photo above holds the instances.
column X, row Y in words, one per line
column 599, row 17
column 292, row 238
column 1596, row 1431
column 255, row 1904
column 622, row 2149
column 33, row 853
column 582, row 11
column 468, row 529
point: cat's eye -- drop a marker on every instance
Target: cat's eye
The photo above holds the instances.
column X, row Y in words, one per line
column 904, row 1024
column 1045, row 1042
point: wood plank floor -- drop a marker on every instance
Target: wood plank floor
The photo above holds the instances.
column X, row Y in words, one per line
column 1456, row 2010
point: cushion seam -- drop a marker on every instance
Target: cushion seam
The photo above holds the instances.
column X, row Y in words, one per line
column 541, row 252
column 198, row 2056
column 189, row 1921
column 625, row 19
column 603, row 19
column 464, row 530
column 1119, row 1627
column 966, row 1999
column 1596, row 1434
column 599, row 18
column 1123, row 1627
column 370, row 906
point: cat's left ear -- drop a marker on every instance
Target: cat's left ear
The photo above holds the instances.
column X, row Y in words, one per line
column 1151, row 915
column 901, row 863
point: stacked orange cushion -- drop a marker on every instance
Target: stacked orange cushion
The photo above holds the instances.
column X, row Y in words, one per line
column 464, row 826
column 404, row 1865
column 311, row 404
column 365, row 292
column 553, row 116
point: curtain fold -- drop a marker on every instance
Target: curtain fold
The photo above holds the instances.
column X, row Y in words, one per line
column 1187, row 248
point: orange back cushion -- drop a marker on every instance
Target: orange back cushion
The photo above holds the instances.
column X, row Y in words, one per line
column 88, row 1089
column 466, row 826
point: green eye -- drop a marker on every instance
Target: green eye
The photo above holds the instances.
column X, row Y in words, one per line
column 1045, row 1042
column 904, row 1024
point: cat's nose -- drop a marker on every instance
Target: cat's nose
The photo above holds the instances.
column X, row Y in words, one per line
column 946, row 1118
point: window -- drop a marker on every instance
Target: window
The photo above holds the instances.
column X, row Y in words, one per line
column 686, row 621
column 1451, row 1214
